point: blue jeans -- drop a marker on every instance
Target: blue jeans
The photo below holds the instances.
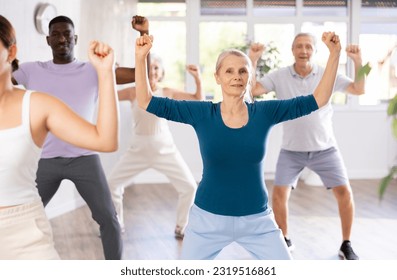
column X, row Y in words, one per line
column 87, row 174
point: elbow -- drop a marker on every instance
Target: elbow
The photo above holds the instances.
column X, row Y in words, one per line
column 111, row 147
column 258, row 91
column 114, row 147
column 357, row 89
column 357, row 92
column 360, row 92
column 200, row 97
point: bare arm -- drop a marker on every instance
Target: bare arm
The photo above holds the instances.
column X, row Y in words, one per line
column 358, row 86
column 182, row 95
column 324, row 89
column 125, row 75
column 59, row 119
column 142, row 86
column 126, row 94
column 255, row 52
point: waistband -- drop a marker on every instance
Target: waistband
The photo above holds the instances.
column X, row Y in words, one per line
column 24, row 211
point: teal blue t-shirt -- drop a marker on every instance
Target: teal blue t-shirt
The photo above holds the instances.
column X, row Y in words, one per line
column 233, row 178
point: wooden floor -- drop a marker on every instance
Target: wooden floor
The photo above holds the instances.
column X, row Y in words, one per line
column 314, row 225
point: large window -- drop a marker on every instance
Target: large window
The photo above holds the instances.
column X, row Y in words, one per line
column 274, row 8
column 167, row 25
column 378, row 40
column 212, row 42
column 381, row 51
column 317, row 28
column 279, row 34
column 196, row 31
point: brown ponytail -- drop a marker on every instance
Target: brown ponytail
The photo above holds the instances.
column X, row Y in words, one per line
column 15, row 65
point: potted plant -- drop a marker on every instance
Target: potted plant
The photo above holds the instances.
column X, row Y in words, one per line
column 270, row 60
column 385, row 182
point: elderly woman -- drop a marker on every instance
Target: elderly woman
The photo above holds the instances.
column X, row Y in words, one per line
column 231, row 203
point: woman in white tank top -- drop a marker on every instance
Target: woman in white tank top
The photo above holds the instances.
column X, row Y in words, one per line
column 152, row 146
column 25, row 120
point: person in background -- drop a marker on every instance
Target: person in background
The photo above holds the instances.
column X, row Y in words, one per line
column 152, row 146
column 26, row 117
column 76, row 83
column 231, row 203
column 310, row 142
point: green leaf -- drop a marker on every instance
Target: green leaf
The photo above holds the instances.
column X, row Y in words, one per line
column 394, row 127
column 392, row 108
column 363, row 71
column 385, row 182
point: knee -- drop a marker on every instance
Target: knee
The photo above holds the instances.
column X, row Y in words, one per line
column 280, row 194
column 343, row 193
column 107, row 215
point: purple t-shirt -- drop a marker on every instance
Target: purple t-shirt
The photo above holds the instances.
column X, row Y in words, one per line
column 75, row 83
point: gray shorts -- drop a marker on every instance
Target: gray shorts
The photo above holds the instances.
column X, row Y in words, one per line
column 328, row 164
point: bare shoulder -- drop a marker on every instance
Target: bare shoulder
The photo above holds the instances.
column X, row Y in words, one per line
column 45, row 101
column 42, row 96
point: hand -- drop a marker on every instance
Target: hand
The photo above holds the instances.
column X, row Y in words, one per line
column 193, row 70
column 143, row 45
column 140, row 24
column 354, row 52
column 332, row 42
column 255, row 51
column 101, row 55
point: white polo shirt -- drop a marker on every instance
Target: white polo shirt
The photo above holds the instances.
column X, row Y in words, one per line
column 313, row 132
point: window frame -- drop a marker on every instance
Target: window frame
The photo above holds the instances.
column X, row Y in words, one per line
column 353, row 19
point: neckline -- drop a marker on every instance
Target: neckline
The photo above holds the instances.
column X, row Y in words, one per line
column 23, row 109
column 233, row 128
column 57, row 66
column 11, row 129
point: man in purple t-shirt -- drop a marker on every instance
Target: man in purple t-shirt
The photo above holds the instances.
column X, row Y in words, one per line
column 76, row 83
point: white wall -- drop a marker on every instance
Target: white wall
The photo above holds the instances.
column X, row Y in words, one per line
column 364, row 136
column 33, row 46
column 105, row 23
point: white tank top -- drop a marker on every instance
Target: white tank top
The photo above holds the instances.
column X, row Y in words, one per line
column 19, row 157
column 144, row 123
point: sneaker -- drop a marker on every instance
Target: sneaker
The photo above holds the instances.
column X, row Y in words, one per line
column 290, row 246
column 346, row 251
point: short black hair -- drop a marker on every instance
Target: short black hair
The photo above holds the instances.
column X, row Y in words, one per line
column 60, row 19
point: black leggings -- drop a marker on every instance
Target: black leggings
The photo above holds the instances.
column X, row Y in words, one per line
column 87, row 174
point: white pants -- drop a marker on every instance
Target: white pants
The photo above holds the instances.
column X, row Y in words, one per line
column 207, row 234
column 25, row 233
column 160, row 153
